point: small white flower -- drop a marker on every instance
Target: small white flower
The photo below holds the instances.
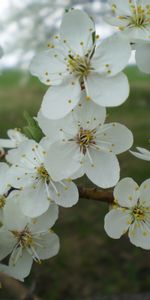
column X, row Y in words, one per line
column 75, row 62
column 4, row 188
column 15, row 139
column 84, row 143
column 132, row 18
column 39, row 189
column 143, row 57
column 26, row 239
column 130, row 213
column 142, row 154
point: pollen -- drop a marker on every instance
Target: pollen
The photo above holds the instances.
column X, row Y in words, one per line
column 85, row 138
column 24, row 238
column 80, row 66
column 138, row 213
column 140, row 17
column 43, row 173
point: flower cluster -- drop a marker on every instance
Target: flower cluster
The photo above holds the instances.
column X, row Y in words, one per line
column 70, row 137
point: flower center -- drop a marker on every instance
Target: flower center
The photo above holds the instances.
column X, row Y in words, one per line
column 140, row 16
column 2, row 201
column 85, row 138
column 43, row 173
column 138, row 213
column 80, row 66
column 24, row 237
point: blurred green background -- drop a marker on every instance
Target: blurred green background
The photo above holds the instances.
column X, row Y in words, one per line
column 89, row 263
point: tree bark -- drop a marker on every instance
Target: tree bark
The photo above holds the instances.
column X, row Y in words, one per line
column 96, row 194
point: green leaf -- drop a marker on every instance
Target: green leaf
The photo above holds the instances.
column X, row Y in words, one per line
column 32, row 130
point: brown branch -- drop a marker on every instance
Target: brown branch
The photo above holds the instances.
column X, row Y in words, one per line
column 96, row 194
column 17, row 289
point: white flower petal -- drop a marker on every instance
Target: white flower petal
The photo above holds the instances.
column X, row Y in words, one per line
column 7, row 243
column 5, row 143
column 139, row 234
column 121, row 5
column 45, row 221
column 22, row 267
column 67, row 195
column 76, row 31
column 78, row 174
column 114, row 21
column 53, row 128
column 16, row 136
column 3, row 177
column 60, row 100
column 62, row 160
column 108, row 91
column 11, row 271
column 117, row 222
column 31, row 156
column 119, row 137
column 137, row 34
column 34, row 201
column 88, row 114
column 145, row 193
column 112, row 55
column 126, row 192
column 49, row 66
column 105, row 169
column 14, row 219
column 50, row 246
column 143, row 154
column 12, row 156
column 143, row 57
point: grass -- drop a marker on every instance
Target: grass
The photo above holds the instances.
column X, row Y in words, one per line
column 89, row 263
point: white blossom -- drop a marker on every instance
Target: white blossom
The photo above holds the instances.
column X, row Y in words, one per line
column 74, row 61
column 38, row 188
column 131, row 212
column 25, row 239
column 85, row 144
column 15, row 138
column 142, row 153
column 132, row 18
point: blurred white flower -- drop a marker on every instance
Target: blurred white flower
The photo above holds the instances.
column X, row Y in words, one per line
column 84, row 143
column 15, row 139
column 132, row 18
column 74, row 61
column 26, row 239
column 131, row 212
column 38, row 189
column 142, row 154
